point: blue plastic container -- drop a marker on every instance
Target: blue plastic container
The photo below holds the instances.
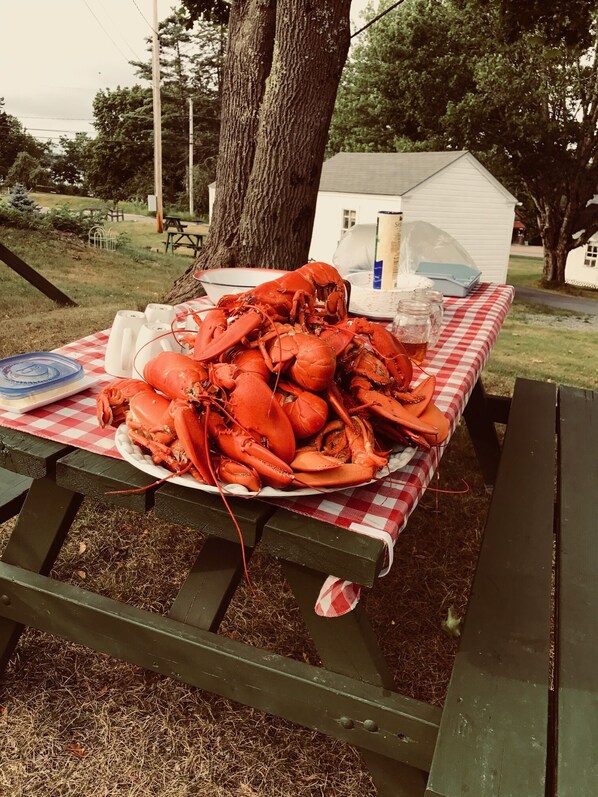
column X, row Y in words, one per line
column 31, row 380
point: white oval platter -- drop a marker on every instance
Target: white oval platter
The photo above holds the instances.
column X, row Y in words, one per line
column 142, row 461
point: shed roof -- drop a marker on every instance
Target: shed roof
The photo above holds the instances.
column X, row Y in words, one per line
column 388, row 173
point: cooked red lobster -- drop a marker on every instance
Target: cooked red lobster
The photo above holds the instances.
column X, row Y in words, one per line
column 282, row 388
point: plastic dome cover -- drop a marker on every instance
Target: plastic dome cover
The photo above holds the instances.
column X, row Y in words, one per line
column 420, row 241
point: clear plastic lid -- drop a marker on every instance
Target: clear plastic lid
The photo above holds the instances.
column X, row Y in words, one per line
column 29, row 374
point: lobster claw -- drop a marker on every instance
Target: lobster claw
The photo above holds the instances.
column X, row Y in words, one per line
column 426, row 390
column 211, row 327
column 231, row 472
column 112, row 402
column 254, row 405
column 346, row 475
column 235, row 332
column 436, row 418
column 241, row 446
column 193, row 437
column 387, row 407
column 314, row 461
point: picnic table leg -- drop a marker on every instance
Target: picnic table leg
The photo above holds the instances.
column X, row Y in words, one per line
column 482, row 431
column 41, row 528
column 347, row 645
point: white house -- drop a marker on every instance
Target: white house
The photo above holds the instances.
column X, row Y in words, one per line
column 581, row 268
column 451, row 190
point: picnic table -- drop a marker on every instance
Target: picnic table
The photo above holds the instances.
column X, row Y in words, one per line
column 190, row 240
column 330, row 545
column 173, row 221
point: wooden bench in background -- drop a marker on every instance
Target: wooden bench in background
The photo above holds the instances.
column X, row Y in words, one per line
column 521, row 713
column 115, row 214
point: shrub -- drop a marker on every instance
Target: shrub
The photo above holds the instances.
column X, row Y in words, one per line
column 9, row 217
column 63, row 219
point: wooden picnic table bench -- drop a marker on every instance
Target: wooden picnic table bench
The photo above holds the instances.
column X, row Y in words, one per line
column 521, row 713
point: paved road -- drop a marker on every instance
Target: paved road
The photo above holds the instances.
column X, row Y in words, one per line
column 527, row 251
column 572, row 303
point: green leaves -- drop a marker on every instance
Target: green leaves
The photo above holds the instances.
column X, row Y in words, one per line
column 452, row 624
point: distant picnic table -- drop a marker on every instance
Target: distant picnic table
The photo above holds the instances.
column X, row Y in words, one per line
column 189, row 240
column 102, row 214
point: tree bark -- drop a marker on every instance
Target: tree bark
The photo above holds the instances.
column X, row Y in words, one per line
column 284, row 63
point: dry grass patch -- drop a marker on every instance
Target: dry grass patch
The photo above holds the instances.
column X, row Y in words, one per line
column 78, row 723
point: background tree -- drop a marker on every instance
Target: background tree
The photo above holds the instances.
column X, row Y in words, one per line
column 14, row 140
column 69, row 163
column 453, row 75
column 283, row 64
column 26, row 170
column 122, row 156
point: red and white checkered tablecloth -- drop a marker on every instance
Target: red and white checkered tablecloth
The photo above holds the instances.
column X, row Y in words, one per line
column 471, row 326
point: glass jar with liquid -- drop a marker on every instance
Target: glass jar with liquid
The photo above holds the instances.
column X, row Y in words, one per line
column 412, row 325
column 435, row 298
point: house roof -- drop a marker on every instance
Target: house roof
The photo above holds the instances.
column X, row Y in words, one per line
column 387, row 173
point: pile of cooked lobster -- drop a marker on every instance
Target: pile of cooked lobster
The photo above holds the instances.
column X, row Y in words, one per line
column 281, row 387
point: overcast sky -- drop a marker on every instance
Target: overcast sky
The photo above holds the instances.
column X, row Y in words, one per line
column 55, row 55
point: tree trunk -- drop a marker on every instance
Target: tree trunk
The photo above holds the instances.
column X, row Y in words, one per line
column 284, row 63
column 556, row 228
column 553, row 274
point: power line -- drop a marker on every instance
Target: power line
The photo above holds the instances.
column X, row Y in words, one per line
column 105, row 31
column 149, row 24
column 54, row 118
column 109, row 16
column 382, row 14
column 54, row 130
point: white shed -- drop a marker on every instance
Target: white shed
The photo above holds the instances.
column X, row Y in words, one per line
column 451, row 190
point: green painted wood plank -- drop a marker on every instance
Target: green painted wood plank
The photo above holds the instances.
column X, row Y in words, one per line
column 324, row 547
column 208, row 513
column 98, row 476
column 207, row 591
column 577, row 596
column 34, row 277
column 347, row 645
column 13, row 489
column 28, row 455
column 35, row 542
column 478, row 416
column 382, row 720
column 493, row 733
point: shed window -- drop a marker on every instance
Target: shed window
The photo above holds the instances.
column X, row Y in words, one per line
column 591, row 255
column 349, row 219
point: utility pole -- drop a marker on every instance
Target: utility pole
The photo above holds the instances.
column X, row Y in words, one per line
column 157, row 117
column 190, row 156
